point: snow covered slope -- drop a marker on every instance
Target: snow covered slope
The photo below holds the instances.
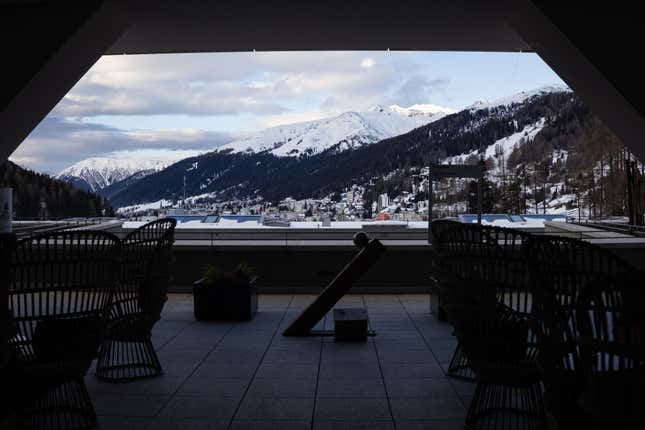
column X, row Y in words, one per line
column 499, row 151
column 96, row 173
column 520, row 97
column 265, row 165
column 348, row 130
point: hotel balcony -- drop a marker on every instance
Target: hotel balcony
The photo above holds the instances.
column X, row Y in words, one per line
column 235, row 375
column 225, row 375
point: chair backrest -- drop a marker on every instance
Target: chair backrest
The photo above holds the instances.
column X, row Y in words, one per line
column 488, row 299
column 142, row 246
column 561, row 270
column 437, row 227
column 145, row 269
column 611, row 320
column 453, row 245
column 485, row 261
column 61, row 288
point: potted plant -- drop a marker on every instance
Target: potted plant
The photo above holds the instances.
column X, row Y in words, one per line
column 226, row 296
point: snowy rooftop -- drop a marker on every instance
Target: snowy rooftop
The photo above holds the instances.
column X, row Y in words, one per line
column 254, row 222
column 527, row 221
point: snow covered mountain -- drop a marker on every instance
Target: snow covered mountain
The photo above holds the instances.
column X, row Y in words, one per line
column 499, row 151
column 97, row 173
column 349, row 130
column 518, row 98
column 255, row 168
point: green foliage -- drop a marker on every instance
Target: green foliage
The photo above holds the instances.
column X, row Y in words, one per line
column 242, row 271
column 245, row 271
column 212, row 274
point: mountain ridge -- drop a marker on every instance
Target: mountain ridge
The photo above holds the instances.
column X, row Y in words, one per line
column 96, row 173
column 351, row 129
column 230, row 175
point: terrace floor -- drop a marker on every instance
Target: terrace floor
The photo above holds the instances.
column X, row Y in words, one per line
column 248, row 376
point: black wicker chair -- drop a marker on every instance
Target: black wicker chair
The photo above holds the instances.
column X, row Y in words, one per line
column 489, row 303
column 459, row 367
column 562, row 269
column 127, row 352
column 611, row 320
column 62, row 285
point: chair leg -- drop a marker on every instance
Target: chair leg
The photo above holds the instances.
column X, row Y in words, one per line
column 66, row 407
column 124, row 361
column 459, row 367
column 503, row 407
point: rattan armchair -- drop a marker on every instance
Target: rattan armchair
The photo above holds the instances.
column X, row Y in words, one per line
column 611, row 341
column 458, row 367
column 562, row 270
column 61, row 288
column 127, row 352
column 488, row 302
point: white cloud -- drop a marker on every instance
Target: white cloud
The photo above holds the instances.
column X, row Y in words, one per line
column 367, row 63
column 228, row 83
column 215, row 91
column 77, row 140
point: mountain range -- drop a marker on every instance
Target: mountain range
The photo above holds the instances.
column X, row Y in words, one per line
column 97, row 173
column 349, row 130
column 318, row 158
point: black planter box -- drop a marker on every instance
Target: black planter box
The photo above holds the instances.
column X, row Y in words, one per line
column 225, row 300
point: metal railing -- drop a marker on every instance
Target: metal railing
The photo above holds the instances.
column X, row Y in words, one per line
column 27, row 227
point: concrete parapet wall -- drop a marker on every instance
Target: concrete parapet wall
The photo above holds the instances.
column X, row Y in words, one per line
column 307, row 269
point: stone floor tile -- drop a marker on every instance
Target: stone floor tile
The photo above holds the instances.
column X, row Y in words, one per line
column 335, row 370
column 287, row 370
column 423, row 387
column 351, row 388
column 406, row 356
column 353, row 425
column 352, row 410
column 430, row 425
column 106, row 422
column 178, row 368
column 178, row 354
column 270, row 425
column 408, row 409
column 400, row 344
column 412, row 370
column 215, row 372
column 310, row 355
column 283, row 388
column 214, row 387
column 339, row 355
column 128, row 405
column 155, row 386
column 172, row 423
column 264, row 409
column 235, row 355
column 225, row 370
column 218, row 408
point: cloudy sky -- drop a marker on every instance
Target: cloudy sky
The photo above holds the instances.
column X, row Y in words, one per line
column 151, row 105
